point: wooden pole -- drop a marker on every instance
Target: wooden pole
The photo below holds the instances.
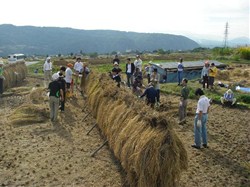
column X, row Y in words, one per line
column 93, row 154
column 86, row 116
column 91, row 129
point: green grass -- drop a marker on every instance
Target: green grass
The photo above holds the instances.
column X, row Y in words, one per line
column 105, row 68
column 33, row 67
column 39, row 66
column 168, row 88
column 243, row 100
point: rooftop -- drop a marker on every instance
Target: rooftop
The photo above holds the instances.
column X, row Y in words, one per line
column 187, row 64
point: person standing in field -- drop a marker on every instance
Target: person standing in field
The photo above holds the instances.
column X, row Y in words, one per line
column 1, row 77
column 183, row 101
column 62, row 81
column 116, row 59
column 47, row 69
column 200, row 120
column 138, row 62
column 69, row 80
column 116, row 73
column 155, row 80
column 55, row 94
column 130, row 68
column 78, row 68
column 205, row 74
column 180, row 69
column 148, row 70
column 212, row 74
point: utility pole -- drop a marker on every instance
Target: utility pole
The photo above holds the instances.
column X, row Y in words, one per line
column 226, row 35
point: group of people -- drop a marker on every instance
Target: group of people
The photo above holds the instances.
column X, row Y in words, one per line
column 61, row 83
column 208, row 75
column 134, row 79
column 201, row 114
column 202, row 110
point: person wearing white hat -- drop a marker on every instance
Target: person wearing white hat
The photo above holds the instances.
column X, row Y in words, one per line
column 116, row 73
column 47, row 69
column 228, row 97
column 55, row 94
column 138, row 62
column 1, row 77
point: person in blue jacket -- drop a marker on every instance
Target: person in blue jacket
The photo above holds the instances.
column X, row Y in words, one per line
column 150, row 94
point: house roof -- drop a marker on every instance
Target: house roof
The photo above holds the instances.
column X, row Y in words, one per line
column 187, row 64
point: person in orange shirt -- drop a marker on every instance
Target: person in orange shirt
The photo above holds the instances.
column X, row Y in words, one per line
column 212, row 74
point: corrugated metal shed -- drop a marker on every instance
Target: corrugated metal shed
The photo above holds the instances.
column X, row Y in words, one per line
column 192, row 69
column 188, row 64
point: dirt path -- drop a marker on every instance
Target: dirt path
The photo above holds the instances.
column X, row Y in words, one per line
column 39, row 155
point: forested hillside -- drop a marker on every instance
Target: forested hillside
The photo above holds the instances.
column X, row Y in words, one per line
column 53, row 40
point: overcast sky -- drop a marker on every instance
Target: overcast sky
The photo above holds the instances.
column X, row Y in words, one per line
column 203, row 18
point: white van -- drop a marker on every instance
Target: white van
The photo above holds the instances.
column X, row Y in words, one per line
column 16, row 58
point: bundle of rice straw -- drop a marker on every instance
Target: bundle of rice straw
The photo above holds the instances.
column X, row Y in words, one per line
column 141, row 138
column 14, row 73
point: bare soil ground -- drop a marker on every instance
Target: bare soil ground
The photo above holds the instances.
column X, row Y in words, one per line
column 40, row 155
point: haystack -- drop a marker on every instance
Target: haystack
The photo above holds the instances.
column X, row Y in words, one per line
column 141, row 138
column 29, row 114
column 14, row 73
column 38, row 95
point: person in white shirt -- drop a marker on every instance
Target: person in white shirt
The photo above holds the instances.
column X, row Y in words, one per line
column 200, row 120
column 138, row 63
column 205, row 74
column 68, row 79
column 180, row 69
column 78, row 68
column 47, row 69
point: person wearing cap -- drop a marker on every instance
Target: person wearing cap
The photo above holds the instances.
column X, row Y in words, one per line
column 180, row 69
column 183, row 101
column 78, row 68
column 1, row 77
column 130, row 68
column 205, row 74
column 228, row 97
column 155, row 80
column 116, row 59
column 55, row 94
column 200, row 120
column 47, row 69
column 68, row 79
column 138, row 62
column 150, row 94
column 212, row 74
column 137, row 84
column 116, row 73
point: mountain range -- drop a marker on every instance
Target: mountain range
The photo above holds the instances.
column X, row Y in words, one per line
column 31, row 40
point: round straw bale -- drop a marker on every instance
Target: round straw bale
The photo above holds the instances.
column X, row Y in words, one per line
column 14, row 73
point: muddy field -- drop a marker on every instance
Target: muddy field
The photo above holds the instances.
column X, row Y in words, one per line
column 39, row 154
